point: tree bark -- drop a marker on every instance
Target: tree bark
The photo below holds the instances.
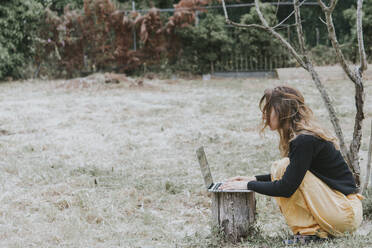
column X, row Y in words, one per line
column 368, row 173
column 234, row 213
column 332, row 114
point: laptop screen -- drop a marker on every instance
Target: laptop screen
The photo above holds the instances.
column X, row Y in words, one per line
column 204, row 167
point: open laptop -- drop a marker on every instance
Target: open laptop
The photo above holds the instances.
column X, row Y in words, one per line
column 206, row 173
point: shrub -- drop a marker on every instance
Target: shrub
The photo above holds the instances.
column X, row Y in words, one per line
column 258, row 43
column 352, row 42
column 323, row 55
column 18, row 23
column 59, row 5
column 204, row 44
column 100, row 37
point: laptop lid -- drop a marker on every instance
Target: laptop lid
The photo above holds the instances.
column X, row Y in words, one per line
column 204, row 167
column 206, row 173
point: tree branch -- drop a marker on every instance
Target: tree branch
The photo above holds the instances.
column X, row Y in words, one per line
column 362, row 53
column 266, row 27
column 358, row 122
column 332, row 115
column 322, row 20
column 331, row 111
column 366, row 182
column 241, row 25
column 278, row 36
column 260, row 15
column 283, row 20
column 286, row 26
column 332, row 5
column 287, row 16
column 300, row 33
column 277, row 8
column 225, row 11
column 333, row 38
column 356, row 78
column 359, row 93
column 322, row 5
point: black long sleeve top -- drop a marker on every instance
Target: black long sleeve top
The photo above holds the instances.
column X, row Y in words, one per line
column 308, row 152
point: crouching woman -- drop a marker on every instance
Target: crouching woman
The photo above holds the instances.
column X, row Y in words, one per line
column 312, row 183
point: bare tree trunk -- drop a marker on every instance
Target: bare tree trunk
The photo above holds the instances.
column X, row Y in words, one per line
column 331, row 112
column 355, row 76
column 357, row 135
column 368, row 171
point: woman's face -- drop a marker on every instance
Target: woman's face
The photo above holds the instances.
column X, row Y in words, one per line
column 274, row 120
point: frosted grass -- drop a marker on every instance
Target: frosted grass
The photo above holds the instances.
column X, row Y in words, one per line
column 112, row 166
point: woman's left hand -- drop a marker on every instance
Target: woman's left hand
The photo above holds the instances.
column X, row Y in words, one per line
column 234, row 185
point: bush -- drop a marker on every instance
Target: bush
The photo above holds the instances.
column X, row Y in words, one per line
column 18, row 23
column 323, row 55
column 100, row 38
column 212, row 42
column 59, row 5
column 352, row 41
column 257, row 42
column 204, row 44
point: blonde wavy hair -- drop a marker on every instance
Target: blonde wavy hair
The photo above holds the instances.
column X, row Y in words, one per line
column 294, row 116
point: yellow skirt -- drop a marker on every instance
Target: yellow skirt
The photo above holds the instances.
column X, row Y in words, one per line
column 315, row 208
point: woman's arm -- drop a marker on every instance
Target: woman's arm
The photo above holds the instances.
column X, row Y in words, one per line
column 301, row 152
column 241, row 182
column 264, row 178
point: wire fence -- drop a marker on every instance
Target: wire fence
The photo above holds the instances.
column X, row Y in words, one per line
column 238, row 60
column 228, row 6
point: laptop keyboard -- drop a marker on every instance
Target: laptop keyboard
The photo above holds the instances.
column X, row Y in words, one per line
column 216, row 186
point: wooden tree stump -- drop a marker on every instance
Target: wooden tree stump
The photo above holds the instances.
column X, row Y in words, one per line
column 234, row 212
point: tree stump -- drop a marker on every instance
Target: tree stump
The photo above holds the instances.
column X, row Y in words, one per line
column 234, row 213
column 232, row 210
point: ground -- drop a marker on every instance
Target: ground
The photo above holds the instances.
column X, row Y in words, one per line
column 107, row 165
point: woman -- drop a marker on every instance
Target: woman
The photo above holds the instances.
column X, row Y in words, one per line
column 313, row 185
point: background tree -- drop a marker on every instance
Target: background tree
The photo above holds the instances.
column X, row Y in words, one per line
column 59, row 5
column 350, row 16
column 18, row 24
column 256, row 43
column 204, row 44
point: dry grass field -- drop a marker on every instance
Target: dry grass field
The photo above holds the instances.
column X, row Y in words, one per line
column 107, row 165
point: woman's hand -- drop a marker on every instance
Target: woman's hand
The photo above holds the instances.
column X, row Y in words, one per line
column 234, row 185
column 238, row 182
column 241, row 178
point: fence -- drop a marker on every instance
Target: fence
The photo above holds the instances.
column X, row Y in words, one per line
column 239, row 60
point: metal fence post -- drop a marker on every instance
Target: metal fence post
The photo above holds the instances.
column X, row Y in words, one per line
column 134, row 30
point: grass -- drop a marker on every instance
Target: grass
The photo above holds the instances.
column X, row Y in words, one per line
column 112, row 166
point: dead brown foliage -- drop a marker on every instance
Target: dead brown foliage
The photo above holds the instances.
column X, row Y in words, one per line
column 100, row 37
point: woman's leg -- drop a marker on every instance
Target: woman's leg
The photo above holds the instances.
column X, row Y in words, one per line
column 315, row 208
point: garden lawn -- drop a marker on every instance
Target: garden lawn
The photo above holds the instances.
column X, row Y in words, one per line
column 115, row 166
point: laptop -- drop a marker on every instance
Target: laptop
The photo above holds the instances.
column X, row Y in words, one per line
column 206, row 173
